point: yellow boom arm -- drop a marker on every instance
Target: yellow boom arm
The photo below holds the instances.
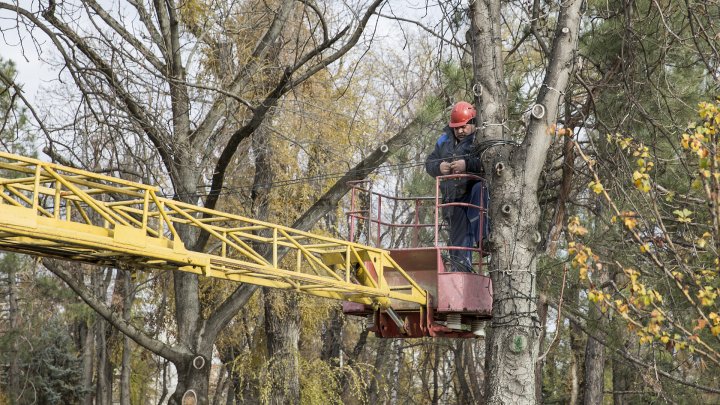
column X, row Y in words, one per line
column 51, row 210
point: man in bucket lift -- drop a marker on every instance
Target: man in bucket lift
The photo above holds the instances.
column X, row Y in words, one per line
column 455, row 154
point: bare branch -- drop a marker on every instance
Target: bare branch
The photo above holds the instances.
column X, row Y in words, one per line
column 451, row 42
column 132, row 40
column 147, row 22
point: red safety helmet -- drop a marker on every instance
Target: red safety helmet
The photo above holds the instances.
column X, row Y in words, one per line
column 462, row 112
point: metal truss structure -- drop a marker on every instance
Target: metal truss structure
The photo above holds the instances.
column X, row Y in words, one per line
column 50, row 210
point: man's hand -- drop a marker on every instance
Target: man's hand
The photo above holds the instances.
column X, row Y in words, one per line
column 457, row 166
column 445, row 168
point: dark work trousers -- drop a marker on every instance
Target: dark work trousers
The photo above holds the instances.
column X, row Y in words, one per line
column 464, row 223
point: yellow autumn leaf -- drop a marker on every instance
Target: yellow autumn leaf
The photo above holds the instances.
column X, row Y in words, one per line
column 685, row 141
column 683, row 215
column 575, row 228
column 592, row 296
column 630, row 222
column 596, row 187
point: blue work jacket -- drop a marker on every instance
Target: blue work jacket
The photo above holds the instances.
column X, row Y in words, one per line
column 448, row 149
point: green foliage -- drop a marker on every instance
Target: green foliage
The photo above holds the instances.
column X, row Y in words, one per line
column 666, row 283
column 638, row 232
column 57, row 366
column 41, row 341
column 48, row 362
column 13, row 117
column 457, row 81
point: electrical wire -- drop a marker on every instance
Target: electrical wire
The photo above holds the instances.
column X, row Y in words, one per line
column 479, row 149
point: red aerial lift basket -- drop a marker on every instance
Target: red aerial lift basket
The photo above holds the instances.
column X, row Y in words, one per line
column 459, row 302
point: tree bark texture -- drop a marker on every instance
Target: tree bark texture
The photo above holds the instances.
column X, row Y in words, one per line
column 282, row 327
column 374, row 395
column 13, row 370
column 87, row 342
column 332, row 337
column 594, row 373
column 542, row 315
column 514, row 172
column 103, row 333
column 576, row 348
column 126, row 294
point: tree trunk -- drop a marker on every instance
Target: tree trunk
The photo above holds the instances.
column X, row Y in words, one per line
column 352, row 358
column 395, row 375
column 193, row 381
column 332, row 337
column 594, row 372
column 104, row 375
column 87, row 335
column 595, row 354
column 542, row 314
column 574, row 376
column 435, row 372
column 126, row 294
column 465, row 393
column 512, row 344
column 222, row 385
column 125, row 371
column 379, row 374
column 576, row 347
column 13, row 383
column 282, row 327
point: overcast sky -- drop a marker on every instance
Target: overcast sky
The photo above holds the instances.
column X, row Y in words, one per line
column 33, row 72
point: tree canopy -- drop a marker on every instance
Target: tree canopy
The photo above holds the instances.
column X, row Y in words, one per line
column 602, row 167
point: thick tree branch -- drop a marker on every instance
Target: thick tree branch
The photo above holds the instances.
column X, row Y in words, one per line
column 116, row 319
column 560, row 67
column 164, row 22
column 237, row 137
column 320, row 16
column 326, row 203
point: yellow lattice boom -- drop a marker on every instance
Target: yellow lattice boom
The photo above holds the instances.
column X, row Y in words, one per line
column 51, row 210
